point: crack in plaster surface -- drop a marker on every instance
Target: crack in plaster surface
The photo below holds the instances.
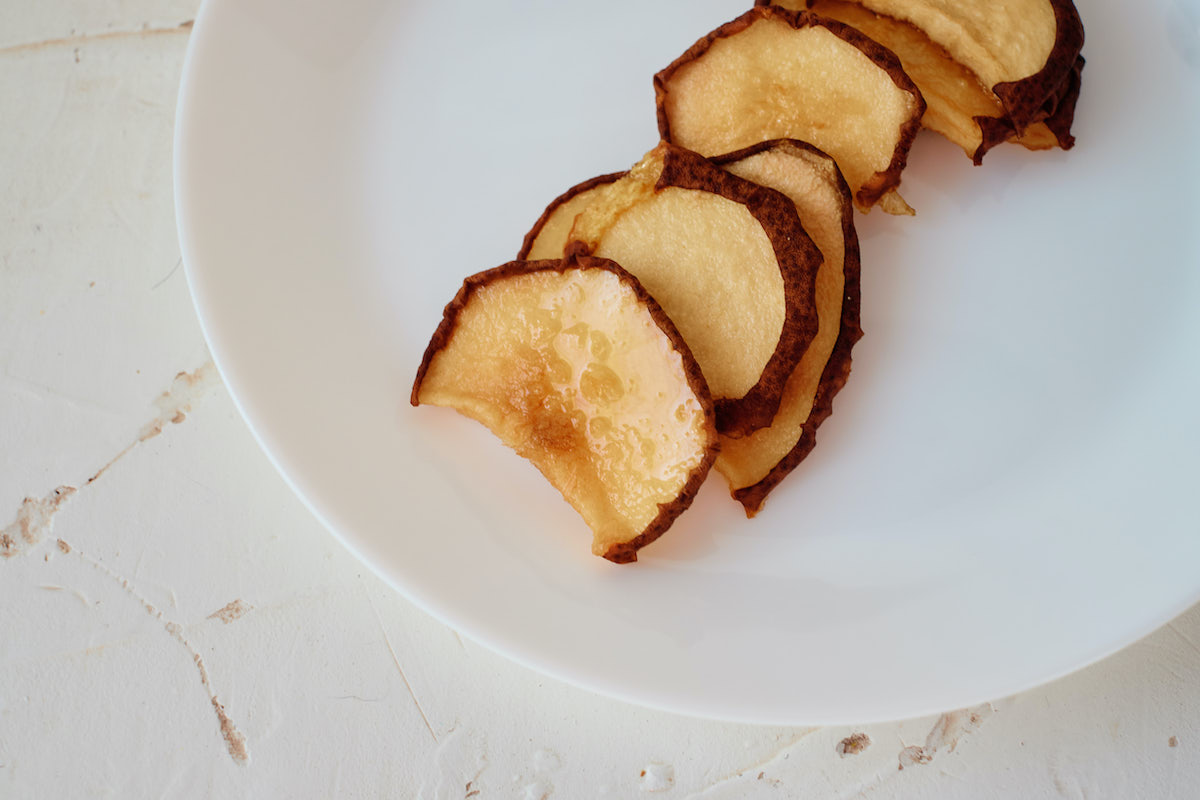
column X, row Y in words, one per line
column 35, row 518
column 84, row 38
column 167, row 277
column 750, row 772
column 55, row 588
column 235, row 740
column 43, row 391
column 400, row 669
column 459, row 761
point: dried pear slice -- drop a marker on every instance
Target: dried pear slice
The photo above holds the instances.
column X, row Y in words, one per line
column 1025, row 54
column 729, row 262
column 549, row 235
column 1023, row 50
column 773, row 73
column 574, row 366
column 960, row 106
column 755, row 464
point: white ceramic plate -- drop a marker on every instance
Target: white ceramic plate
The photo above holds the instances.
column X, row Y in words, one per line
column 1006, row 491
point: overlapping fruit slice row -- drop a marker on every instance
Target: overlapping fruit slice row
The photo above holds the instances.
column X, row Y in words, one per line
column 990, row 72
column 699, row 310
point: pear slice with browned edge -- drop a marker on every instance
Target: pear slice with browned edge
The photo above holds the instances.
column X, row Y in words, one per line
column 1025, row 51
column 755, row 464
column 548, row 236
column 962, row 106
column 774, row 73
column 573, row 365
column 729, row 262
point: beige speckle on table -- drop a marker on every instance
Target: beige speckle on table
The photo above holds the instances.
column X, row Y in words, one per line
column 231, row 611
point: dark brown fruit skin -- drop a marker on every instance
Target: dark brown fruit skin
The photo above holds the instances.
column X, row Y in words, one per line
column 799, row 258
column 837, row 369
column 882, row 182
column 590, row 183
column 625, row 552
column 1061, row 118
column 1058, row 114
column 1049, row 95
column 1026, row 100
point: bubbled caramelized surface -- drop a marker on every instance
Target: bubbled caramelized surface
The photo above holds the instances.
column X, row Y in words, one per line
column 571, row 370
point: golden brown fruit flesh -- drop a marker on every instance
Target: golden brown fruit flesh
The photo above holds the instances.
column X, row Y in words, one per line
column 989, row 71
column 576, row 368
column 729, row 262
column 755, row 464
column 774, row 73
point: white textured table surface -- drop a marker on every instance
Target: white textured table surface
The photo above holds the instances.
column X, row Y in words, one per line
column 174, row 624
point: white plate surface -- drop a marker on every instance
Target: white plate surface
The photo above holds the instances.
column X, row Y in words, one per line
column 1006, row 491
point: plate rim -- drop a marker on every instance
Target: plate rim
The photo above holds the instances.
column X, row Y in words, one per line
column 444, row 613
